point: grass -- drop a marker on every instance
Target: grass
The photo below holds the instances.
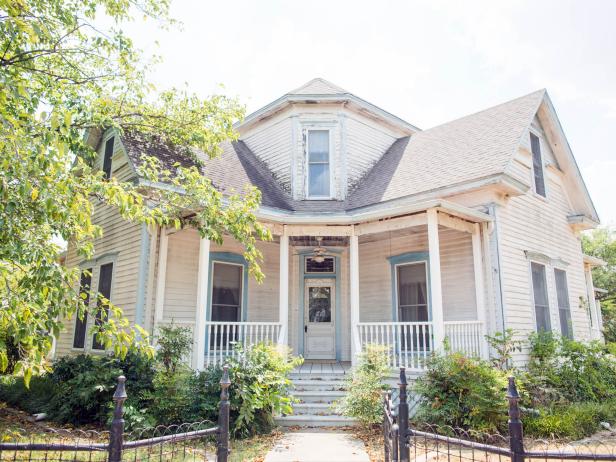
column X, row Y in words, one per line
column 15, row 426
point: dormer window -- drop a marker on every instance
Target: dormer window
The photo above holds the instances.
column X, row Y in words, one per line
column 319, row 173
column 107, row 158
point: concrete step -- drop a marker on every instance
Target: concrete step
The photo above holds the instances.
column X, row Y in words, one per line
column 313, row 396
column 318, row 385
column 319, row 409
column 315, row 421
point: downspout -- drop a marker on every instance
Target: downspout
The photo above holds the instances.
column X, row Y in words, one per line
column 497, row 254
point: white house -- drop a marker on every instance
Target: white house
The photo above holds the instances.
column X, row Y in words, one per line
column 382, row 233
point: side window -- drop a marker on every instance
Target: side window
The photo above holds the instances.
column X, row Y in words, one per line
column 318, row 164
column 540, row 297
column 538, row 176
column 107, row 158
column 104, row 289
column 79, row 337
column 564, row 310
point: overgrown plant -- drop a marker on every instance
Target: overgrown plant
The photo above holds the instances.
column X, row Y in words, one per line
column 504, row 344
column 364, row 398
column 462, row 392
column 174, row 344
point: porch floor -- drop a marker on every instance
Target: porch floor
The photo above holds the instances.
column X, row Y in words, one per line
column 315, row 366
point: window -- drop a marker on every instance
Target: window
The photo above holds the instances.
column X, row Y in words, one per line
column 412, row 297
column 564, row 310
column 226, row 292
column 79, row 338
column 318, row 164
column 539, row 181
column 104, row 290
column 108, row 155
column 325, row 265
column 540, row 297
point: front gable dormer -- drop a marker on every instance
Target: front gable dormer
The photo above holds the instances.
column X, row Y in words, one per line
column 320, row 140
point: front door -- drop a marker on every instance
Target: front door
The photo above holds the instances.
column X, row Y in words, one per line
column 319, row 315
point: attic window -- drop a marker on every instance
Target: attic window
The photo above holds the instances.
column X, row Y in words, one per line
column 319, row 177
column 539, row 181
column 107, row 159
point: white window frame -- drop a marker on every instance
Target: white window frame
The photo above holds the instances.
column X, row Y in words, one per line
column 532, row 292
column 330, row 163
column 542, row 162
column 242, row 301
column 111, row 290
column 397, row 287
column 85, row 340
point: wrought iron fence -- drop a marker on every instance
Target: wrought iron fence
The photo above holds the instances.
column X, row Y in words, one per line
column 185, row 442
column 403, row 443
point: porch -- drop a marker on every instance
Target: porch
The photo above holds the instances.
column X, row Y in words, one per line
column 410, row 282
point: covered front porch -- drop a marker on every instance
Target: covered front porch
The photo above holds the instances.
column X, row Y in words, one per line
column 412, row 282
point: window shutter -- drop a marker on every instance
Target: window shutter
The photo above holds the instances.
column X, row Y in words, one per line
column 535, row 146
column 108, row 155
column 104, row 289
column 79, row 338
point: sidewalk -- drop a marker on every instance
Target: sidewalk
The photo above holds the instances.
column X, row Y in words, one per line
column 318, row 445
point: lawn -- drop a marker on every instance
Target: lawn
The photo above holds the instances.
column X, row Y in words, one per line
column 16, row 426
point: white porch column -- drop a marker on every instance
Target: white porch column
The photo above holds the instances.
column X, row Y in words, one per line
column 354, row 299
column 283, row 284
column 478, row 269
column 595, row 330
column 436, row 295
column 161, row 276
column 198, row 358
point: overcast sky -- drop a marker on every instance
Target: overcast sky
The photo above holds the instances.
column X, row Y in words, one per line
column 425, row 61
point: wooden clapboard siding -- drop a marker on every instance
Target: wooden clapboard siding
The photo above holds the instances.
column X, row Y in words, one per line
column 365, row 144
column 273, row 145
column 181, row 279
column 458, row 286
column 532, row 223
column 120, row 244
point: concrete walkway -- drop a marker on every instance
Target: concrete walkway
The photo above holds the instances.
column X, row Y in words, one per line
column 318, row 445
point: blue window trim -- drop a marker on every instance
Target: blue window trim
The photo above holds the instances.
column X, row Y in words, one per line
column 302, row 286
column 402, row 259
column 232, row 258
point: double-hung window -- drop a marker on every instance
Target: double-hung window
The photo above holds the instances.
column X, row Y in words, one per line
column 319, row 172
column 81, row 324
column 104, row 291
column 226, row 300
column 564, row 309
column 538, row 176
column 108, row 155
column 540, row 297
column 412, row 297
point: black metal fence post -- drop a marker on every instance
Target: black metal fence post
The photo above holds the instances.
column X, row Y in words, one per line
column 386, row 427
column 403, row 419
column 516, row 435
column 116, row 435
column 222, row 451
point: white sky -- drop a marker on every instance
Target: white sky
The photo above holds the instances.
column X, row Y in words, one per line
column 425, row 61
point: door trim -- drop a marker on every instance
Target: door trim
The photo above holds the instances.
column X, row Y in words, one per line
column 330, row 284
column 302, row 289
column 405, row 259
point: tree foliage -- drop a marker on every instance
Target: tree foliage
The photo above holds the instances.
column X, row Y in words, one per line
column 63, row 73
column 601, row 243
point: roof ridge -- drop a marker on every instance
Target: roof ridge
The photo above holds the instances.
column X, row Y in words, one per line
column 542, row 90
column 335, row 88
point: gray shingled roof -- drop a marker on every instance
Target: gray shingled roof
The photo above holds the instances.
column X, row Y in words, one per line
column 469, row 148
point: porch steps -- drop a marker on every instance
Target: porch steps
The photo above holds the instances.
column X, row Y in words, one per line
column 317, row 392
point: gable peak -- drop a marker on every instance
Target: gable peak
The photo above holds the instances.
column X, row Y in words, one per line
column 319, row 86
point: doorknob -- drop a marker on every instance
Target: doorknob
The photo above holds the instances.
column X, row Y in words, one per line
column 305, row 328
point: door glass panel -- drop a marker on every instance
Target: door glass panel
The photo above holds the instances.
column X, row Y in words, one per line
column 319, row 304
column 413, row 305
column 226, row 300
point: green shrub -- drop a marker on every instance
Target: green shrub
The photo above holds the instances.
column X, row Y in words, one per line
column 463, row 393
column 569, row 371
column 31, row 400
column 364, row 398
column 169, row 400
column 174, row 344
column 504, row 344
column 260, row 387
column 573, row 421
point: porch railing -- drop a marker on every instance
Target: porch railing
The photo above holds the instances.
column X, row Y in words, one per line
column 465, row 337
column 408, row 343
column 222, row 336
